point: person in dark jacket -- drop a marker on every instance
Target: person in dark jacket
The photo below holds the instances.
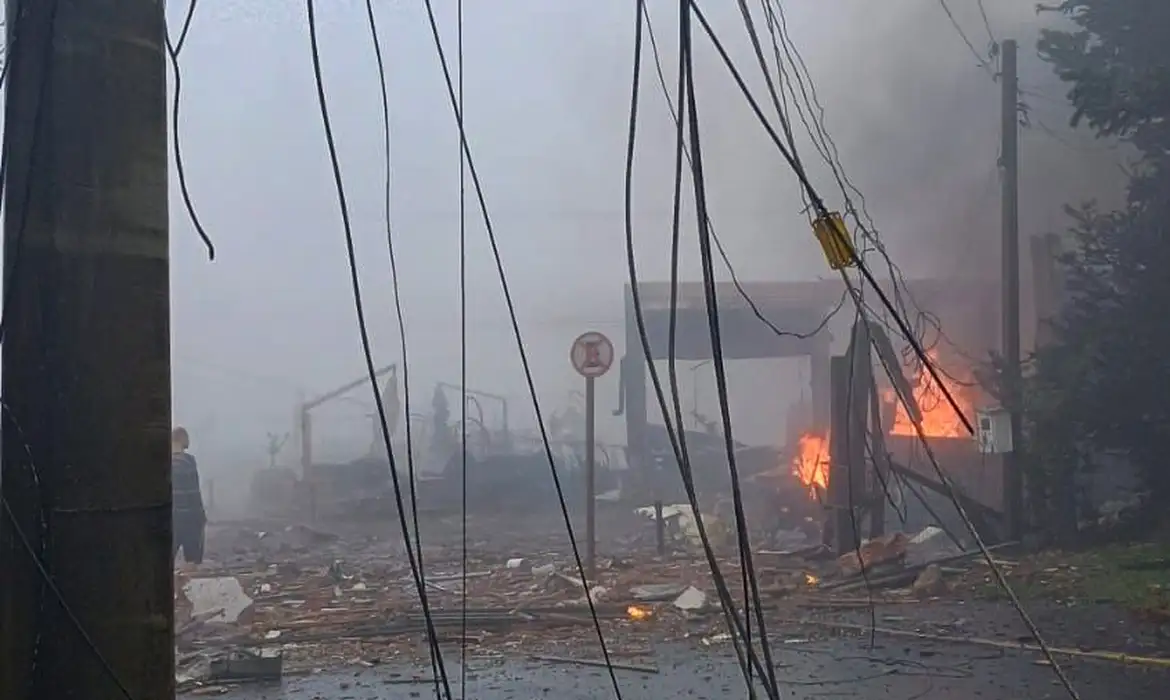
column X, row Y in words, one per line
column 188, row 515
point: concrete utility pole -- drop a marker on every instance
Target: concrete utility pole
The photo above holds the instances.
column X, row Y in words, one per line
column 1013, row 480
column 86, row 361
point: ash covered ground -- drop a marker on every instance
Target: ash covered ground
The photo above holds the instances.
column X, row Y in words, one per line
column 338, row 605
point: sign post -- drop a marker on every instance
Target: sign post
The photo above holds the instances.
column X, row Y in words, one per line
column 592, row 356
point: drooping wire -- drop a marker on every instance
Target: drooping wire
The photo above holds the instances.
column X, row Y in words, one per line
column 367, row 351
column 173, row 49
column 38, row 556
column 462, row 367
column 867, row 275
column 376, row 40
column 712, row 302
column 994, row 43
column 524, row 360
column 50, row 583
column 676, row 434
column 996, row 570
column 812, row 116
column 739, row 288
column 822, row 210
column 982, row 62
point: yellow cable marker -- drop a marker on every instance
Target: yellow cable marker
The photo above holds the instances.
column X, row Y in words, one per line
column 834, row 239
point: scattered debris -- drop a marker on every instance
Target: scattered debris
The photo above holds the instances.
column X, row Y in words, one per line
column 597, row 663
column 657, row 592
column 217, row 599
column 930, row 582
column 243, row 667
column 318, row 600
column 691, row 599
column 883, row 550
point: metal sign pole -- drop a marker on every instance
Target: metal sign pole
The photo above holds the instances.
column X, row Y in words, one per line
column 591, row 354
column 590, row 481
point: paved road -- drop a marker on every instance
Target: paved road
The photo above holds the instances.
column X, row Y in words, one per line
column 838, row 668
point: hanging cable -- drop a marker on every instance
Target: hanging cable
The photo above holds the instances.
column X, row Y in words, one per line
column 822, row 211
column 739, row 288
column 462, row 367
column 676, row 434
column 982, row 62
column 524, row 361
column 994, row 43
column 173, row 50
column 996, row 570
column 367, row 351
column 747, row 562
column 812, row 115
column 395, row 287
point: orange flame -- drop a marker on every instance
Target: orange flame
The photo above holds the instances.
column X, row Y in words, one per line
column 638, row 613
column 938, row 417
column 811, row 463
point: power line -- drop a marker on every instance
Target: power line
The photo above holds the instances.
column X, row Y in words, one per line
column 987, row 25
column 996, row 570
column 819, row 205
column 697, row 180
column 982, row 62
column 415, row 564
column 524, row 361
column 173, row 50
column 739, row 288
column 47, row 580
column 867, row 276
column 676, row 434
column 395, row 287
column 801, row 79
column 462, row 367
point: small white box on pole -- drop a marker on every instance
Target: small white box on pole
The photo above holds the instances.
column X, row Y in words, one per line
column 993, row 430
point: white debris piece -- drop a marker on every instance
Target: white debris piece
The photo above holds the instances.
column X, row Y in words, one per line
column 683, row 518
column 221, row 598
column 691, row 599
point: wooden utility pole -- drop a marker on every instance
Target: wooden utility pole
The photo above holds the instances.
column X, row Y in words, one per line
column 1013, row 480
column 847, row 467
column 86, row 361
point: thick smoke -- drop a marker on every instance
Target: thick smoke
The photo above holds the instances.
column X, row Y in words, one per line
column 915, row 117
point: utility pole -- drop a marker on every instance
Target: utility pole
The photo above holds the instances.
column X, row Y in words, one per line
column 1013, row 479
column 86, row 361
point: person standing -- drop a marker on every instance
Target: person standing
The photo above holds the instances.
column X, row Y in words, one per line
column 189, row 517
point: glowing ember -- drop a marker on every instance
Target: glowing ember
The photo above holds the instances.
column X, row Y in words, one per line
column 811, row 580
column 938, row 418
column 638, row 613
column 811, row 463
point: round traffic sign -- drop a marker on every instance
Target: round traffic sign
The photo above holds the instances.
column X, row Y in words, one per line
column 591, row 354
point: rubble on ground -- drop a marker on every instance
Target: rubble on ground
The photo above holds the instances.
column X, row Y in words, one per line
column 273, row 600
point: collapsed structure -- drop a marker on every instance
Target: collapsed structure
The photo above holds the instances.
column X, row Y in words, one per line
column 760, row 320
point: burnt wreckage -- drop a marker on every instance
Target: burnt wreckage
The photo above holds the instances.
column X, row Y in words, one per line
column 798, row 310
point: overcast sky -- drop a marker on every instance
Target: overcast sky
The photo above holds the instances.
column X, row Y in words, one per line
column 547, row 95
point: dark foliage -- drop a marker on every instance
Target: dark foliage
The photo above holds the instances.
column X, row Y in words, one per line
column 1103, row 385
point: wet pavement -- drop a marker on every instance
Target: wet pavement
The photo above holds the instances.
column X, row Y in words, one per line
column 836, row 668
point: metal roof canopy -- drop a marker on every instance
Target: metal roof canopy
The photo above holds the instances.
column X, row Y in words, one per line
column 793, row 307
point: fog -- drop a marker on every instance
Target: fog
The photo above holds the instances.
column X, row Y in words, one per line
column 915, row 118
